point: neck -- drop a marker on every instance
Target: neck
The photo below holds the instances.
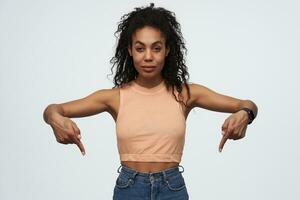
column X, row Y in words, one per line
column 148, row 83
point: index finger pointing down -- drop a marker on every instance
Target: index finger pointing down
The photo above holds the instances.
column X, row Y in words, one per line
column 223, row 141
column 77, row 138
column 80, row 146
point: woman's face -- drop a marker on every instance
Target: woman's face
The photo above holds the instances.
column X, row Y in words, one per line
column 148, row 51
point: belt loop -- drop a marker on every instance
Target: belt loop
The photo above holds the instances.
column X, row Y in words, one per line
column 165, row 176
column 133, row 176
column 182, row 168
column 119, row 168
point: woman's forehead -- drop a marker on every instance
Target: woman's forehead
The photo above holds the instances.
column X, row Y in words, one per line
column 161, row 42
column 148, row 35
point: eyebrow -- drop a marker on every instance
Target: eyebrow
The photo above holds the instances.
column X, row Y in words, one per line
column 144, row 44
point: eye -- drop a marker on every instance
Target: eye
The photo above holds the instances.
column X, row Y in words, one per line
column 139, row 48
column 157, row 48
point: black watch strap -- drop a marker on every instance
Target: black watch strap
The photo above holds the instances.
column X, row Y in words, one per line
column 250, row 114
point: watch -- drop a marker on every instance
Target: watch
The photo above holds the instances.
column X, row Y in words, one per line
column 250, row 114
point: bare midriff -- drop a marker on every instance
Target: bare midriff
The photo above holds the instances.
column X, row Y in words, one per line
column 149, row 167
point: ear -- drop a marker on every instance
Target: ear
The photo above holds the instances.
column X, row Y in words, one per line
column 129, row 50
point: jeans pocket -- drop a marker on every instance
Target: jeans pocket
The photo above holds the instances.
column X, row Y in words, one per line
column 124, row 182
column 176, row 182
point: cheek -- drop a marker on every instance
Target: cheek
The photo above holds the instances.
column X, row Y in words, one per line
column 161, row 60
column 137, row 57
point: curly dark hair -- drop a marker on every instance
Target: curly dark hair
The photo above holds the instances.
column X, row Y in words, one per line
column 174, row 71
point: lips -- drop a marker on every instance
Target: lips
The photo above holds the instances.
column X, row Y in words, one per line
column 148, row 66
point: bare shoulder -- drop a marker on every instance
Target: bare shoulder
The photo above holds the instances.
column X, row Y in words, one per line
column 186, row 98
column 111, row 95
column 196, row 90
column 113, row 101
column 106, row 95
column 111, row 92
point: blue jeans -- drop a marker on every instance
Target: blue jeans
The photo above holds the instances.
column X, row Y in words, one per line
column 167, row 184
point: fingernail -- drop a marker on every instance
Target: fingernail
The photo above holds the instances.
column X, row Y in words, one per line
column 220, row 150
column 83, row 153
column 223, row 132
column 79, row 136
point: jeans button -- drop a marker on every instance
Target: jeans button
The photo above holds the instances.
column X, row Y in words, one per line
column 131, row 180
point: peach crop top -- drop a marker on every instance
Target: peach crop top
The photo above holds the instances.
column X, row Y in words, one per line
column 151, row 125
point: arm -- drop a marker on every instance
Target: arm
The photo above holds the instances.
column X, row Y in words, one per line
column 92, row 104
column 206, row 98
column 65, row 130
column 235, row 125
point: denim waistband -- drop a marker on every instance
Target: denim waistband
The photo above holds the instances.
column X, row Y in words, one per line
column 168, row 171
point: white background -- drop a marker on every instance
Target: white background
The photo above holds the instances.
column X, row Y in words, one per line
column 57, row 51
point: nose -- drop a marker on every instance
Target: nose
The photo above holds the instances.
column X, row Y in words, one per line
column 148, row 55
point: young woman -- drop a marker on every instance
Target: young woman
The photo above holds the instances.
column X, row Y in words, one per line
column 150, row 103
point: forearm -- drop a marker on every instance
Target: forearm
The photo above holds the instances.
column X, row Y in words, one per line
column 51, row 111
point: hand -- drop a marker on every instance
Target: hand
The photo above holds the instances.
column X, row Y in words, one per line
column 66, row 132
column 234, row 127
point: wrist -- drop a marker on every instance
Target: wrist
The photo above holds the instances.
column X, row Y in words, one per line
column 50, row 114
column 53, row 117
column 250, row 114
